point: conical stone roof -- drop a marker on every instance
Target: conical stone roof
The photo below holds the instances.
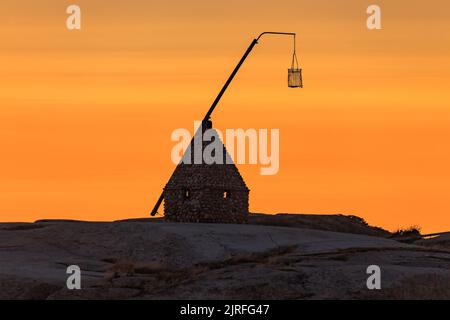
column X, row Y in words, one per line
column 224, row 175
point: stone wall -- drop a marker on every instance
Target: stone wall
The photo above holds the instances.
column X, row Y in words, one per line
column 208, row 205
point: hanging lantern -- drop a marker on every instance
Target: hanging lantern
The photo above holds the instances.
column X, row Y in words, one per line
column 295, row 78
column 295, row 73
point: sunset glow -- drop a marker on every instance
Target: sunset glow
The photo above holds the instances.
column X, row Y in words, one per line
column 86, row 116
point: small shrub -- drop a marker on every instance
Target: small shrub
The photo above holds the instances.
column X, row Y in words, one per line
column 411, row 231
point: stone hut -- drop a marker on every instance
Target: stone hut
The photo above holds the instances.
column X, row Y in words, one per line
column 211, row 193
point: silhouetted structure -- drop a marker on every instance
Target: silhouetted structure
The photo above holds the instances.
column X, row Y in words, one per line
column 214, row 192
column 206, row 192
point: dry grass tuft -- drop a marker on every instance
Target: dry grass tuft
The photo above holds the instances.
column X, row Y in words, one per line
column 121, row 268
column 151, row 267
column 419, row 287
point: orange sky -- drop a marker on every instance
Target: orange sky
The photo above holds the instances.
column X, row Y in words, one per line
column 86, row 116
